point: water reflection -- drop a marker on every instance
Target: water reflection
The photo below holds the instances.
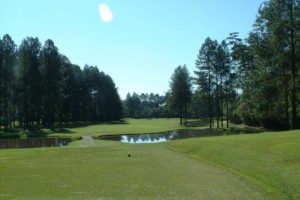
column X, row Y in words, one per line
column 34, row 142
column 160, row 137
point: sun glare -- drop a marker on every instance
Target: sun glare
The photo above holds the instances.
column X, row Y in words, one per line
column 105, row 13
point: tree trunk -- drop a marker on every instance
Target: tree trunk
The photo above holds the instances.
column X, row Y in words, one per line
column 222, row 101
column 227, row 105
column 293, row 124
column 227, row 113
column 185, row 114
column 180, row 113
column 5, row 110
column 209, row 101
column 217, row 105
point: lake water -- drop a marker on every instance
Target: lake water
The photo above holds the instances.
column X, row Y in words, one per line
column 33, row 142
column 160, row 137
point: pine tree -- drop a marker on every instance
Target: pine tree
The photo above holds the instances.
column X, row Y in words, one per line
column 29, row 84
column 180, row 91
column 204, row 75
column 52, row 82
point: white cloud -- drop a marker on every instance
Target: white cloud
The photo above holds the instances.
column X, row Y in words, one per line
column 105, row 13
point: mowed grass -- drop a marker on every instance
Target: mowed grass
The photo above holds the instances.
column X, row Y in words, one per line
column 135, row 126
column 129, row 126
column 269, row 160
column 103, row 171
column 258, row 166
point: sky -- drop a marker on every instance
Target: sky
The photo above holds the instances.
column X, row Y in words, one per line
column 138, row 43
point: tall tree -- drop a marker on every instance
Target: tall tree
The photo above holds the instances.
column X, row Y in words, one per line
column 8, row 77
column 1, row 83
column 180, row 90
column 205, row 63
column 223, row 72
column 30, row 87
column 67, row 103
column 52, row 81
column 278, row 23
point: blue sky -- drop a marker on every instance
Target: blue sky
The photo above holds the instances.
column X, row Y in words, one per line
column 143, row 41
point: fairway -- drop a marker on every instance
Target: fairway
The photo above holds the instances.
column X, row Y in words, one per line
column 129, row 126
column 258, row 166
column 105, row 172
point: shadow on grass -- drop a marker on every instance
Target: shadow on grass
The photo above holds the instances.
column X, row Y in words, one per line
column 85, row 124
column 197, row 123
column 244, row 130
column 234, row 130
column 57, row 129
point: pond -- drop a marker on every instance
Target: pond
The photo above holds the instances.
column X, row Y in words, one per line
column 37, row 142
column 160, row 137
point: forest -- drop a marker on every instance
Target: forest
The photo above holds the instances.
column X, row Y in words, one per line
column 40, row 87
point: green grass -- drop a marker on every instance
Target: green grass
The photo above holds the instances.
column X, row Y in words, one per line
column 105, row 172
column 270, row 160
column 258, row 166
column 129, row 126
column 132, row 126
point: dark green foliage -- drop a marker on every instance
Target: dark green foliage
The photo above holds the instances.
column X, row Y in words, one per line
column 257, row 79
column 180, row 92
column 30, row 83
column 41, row 87
column 146, row 106
column 268, row 64
column 7, row 77
column 52, row 78
column 215, row 78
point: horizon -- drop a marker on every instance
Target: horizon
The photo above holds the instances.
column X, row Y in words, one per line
column 145, row 40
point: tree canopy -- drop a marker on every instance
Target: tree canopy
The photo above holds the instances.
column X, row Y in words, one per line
column 181, row 91
column 40, row 87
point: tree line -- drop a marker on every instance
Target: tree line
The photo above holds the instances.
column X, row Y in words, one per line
column 145, row 106
column 40, row 87
column 268, row 62
column 253, row 80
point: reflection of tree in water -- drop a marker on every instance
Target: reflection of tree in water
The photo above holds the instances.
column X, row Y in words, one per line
column 33, row 142
column 162, row 137
column 134, row 138
column 145, row 138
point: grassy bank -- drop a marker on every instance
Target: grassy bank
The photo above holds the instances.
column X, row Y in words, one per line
column 270, row 160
